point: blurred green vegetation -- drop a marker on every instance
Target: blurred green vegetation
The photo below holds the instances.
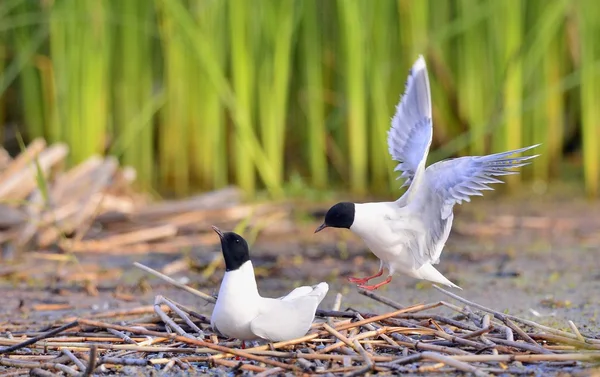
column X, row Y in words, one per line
column 198, row 94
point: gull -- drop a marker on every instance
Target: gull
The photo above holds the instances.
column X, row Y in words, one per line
column 409, row 234
column 240, row 312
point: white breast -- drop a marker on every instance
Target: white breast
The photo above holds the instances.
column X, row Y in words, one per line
column 388, row 232
column 237, row 304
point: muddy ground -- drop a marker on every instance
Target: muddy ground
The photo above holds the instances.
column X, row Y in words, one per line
column 535, row 257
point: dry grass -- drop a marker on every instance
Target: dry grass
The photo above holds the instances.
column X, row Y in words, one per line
column 437, row 337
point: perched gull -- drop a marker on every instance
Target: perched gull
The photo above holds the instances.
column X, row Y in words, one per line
column 240, row 312
column 408, row 235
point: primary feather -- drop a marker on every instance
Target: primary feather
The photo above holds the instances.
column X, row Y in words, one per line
column 410, row 135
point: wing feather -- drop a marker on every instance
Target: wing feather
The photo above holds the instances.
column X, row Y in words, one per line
column 291, row 316
column 410, row 134
column 454, row 181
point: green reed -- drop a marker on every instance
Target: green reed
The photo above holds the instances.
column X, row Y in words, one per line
column 353, row 53
column 133, row 105
column 278, row 23
column 589, row 29
column 313, row 99
column 209, row 152
column 198, row 94
column 81, row 49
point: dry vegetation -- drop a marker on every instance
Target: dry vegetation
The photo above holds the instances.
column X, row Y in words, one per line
column 92, row 207
column 417, row 339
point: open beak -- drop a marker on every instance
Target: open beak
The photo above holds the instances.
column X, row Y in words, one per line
column 320, row 228
column 218, row 231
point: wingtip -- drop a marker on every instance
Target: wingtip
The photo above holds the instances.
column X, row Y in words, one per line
column 419, row 64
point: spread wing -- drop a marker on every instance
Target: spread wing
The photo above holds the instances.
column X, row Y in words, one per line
column 410, row 135
column 453, row 181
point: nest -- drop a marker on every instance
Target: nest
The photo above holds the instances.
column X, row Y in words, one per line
column 170, row 337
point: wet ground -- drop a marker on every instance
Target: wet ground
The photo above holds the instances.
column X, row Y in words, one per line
column 535, row 258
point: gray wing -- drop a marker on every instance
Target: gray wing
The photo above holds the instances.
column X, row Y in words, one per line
column 410, row 135
column 291, row 316
column 453, row 181
column 285, row 320
column 319, row 290
column 297, row 292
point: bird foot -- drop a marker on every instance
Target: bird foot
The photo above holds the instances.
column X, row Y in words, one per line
column 358, row 280
column 237, row 358
column 375, row 286
column 365, row 279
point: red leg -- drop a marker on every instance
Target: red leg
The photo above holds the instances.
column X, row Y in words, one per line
column 366, row 279
column 243, row 347
column 374, row 287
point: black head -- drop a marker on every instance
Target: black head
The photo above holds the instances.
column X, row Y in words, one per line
column 235, row 249
column 340, row 215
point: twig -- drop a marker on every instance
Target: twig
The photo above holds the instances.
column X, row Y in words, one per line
column 270, row 372
column 41, row 373
column 576, row 331
column 521, row 333
column 39, row 337
column 193, row 291
column 91, row 362
column 337, row 334
column 239, row 365
column 122, row 361
column 68, row 370
column 74, row 359
column 454, row 363
column 514, row 318
column 165, row 318
column 173, row 306
column 381, row 299
column 121, row 335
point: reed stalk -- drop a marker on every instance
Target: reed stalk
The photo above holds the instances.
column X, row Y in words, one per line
column 243, row 79
column 81, row 49
column 209, row 150
column 473, row 81
column 133, row 87
column 314, row 101
column 589, row 29
column 380, row 62
column 354, row 41
column 512, row 15
column 175, row 126
column 543, row 46
column 278, row 25
column 198, row 94
column 25, row 40
column 2, row 97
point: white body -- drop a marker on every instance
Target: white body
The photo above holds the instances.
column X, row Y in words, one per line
column 397, row 235
column 408, row 235
column 240, row 312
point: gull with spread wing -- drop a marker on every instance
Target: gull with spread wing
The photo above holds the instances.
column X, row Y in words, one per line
column 408, row 235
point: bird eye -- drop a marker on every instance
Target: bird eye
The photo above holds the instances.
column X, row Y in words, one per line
column 237, row 241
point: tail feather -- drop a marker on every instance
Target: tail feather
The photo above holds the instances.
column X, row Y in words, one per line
column 428, row 272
